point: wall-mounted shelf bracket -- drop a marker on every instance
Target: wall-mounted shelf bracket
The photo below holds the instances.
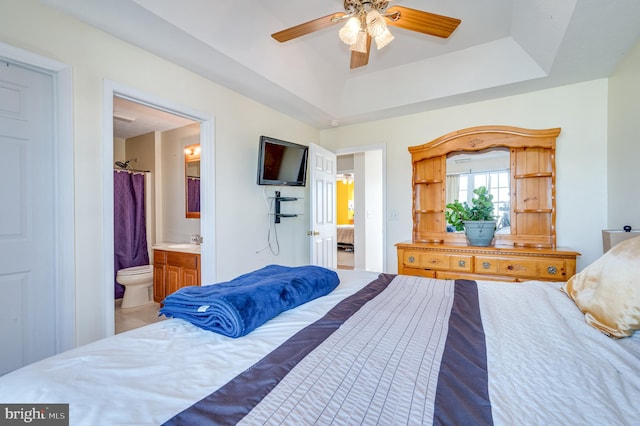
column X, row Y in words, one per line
column 278, row 199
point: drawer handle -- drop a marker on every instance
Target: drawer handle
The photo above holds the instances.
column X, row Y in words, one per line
column 486, row 265
column 461, row 263
column 412, row 259
column 552, row 270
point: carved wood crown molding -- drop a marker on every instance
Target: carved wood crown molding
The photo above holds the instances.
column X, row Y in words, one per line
column 473, row 143
column 484, row 137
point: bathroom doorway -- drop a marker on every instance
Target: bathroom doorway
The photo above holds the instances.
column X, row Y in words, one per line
column 148, row 145
column 123, row 107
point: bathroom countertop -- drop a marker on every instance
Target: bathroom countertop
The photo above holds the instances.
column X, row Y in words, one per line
column 179, row 247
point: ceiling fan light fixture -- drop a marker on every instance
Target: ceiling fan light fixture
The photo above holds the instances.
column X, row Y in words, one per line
column 361, row 43
column 383, row 39
column 349, row 32
column 375, row 23
column 367, row 20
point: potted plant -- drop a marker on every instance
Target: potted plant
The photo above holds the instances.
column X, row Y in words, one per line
column 477, row 220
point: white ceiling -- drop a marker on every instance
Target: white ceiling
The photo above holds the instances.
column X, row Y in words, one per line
column 502, row 47
column 133, row 119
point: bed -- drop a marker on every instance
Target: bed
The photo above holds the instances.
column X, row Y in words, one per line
column 401, row 350
column 345, row 237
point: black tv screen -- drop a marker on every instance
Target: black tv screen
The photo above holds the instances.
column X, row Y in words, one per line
column 281, row 163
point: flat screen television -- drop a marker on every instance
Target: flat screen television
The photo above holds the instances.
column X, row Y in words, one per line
column 282, row 163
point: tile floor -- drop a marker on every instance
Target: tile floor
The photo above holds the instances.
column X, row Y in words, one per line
column 130, row 318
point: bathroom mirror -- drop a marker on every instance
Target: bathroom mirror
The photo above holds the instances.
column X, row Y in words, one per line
column 466, row 171
column 192, row 181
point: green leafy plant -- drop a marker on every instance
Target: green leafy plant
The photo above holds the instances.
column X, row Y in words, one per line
column 481, row 209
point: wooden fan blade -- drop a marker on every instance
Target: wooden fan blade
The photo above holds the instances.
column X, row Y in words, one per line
column 308, row 27
column 423, row 22
column 359, row 59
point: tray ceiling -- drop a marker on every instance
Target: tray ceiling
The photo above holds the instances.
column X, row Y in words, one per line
column 501, row 48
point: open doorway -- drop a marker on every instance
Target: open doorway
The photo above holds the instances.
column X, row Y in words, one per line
column 113, row 96
column 148, row 169
column 360, row 218
column 345, row 212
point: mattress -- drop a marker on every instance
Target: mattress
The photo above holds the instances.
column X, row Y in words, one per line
column 544, row 364
column 345, row 235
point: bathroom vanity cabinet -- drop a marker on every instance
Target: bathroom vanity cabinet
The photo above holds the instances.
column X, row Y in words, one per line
column 173, row 270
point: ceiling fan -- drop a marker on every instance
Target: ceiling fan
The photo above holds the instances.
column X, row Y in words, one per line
column 367, row 20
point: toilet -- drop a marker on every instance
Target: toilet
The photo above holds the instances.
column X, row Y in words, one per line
column 137, row 282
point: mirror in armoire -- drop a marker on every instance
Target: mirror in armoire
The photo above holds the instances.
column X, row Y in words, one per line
column 466, row 172
column 192, row 180
column 524, row 191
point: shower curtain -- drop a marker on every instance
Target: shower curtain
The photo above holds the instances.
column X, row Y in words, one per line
column 130, row 231
column 193, row 194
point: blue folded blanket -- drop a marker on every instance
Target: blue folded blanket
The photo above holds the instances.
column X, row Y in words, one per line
column 235, row 308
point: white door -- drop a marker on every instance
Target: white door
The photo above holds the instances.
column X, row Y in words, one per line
column 322, row 175
column 27, row 217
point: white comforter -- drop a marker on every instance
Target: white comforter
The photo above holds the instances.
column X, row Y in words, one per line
column 546, row 366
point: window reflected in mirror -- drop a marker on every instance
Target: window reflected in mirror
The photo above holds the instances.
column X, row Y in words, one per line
column 192, row 180
column 468, row 171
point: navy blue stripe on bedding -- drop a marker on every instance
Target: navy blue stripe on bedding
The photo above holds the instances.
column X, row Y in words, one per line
column 462, row 395
column 234, row 400
column 462, row 388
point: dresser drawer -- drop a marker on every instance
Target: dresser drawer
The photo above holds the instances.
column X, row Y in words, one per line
column 486, row 265
column 460, row 263
column 550, row 269
column 426, row 260
column 411, row 259
column 415, row 272
column 514, row 267
column 518, row 267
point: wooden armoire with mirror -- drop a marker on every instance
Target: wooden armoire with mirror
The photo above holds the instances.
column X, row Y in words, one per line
column 525, row 247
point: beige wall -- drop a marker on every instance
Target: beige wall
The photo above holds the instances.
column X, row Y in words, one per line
column 175, row 227
column 579, row 109
column 624, row 143
column 95, row 56
column 141, row 150
column 119, row 152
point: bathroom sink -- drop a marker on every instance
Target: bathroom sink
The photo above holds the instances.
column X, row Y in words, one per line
column 186, row 246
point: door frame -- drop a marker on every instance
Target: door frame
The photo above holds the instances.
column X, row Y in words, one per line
column 383, row 148
column 207, row 171
column 63, row 187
